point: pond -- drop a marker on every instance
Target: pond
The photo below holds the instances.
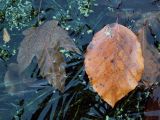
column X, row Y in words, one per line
column 30, row 96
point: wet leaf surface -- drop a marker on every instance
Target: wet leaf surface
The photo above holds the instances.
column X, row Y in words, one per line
column 114, row 62
column 44, row 43
column 151, row 55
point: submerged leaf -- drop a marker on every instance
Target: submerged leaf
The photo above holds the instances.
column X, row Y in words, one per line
column 52, row 66
column 36, row 40
column 156, row 95
column 151, row 59
column 6, row 36
column 149, row 17
column 15, row 83
column 44, row 43
column 152, row 107
column 114, row 62
column 12, row 77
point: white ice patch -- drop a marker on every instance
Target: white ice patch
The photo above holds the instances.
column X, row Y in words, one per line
column 108, row 31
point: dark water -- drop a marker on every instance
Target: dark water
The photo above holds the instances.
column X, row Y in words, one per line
column 39, row 100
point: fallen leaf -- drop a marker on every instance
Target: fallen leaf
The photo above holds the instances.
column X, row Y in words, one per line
column 6, row 36
column 151, row 58
column 156, row 95
column 44, row 43
column 149, row 17
column 36, row 40
column 152, row 107
column 114, row 62
column 15, row 84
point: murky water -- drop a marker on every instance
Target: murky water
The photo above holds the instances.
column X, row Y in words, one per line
column 81, row 18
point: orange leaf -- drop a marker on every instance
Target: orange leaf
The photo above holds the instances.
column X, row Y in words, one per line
column 114, row 62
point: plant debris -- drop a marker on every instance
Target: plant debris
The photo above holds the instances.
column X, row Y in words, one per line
column 114, row 62
column 151, row 59
column 44, row 43
column 6, row 36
